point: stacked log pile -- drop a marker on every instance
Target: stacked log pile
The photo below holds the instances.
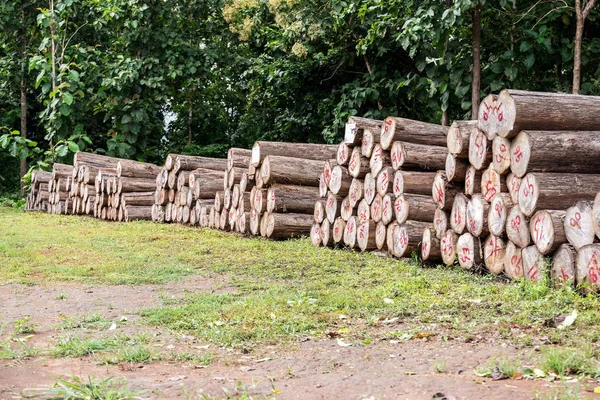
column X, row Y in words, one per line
column 184, row 187
column 378, row 194
column 39, row 195
column 58, row 186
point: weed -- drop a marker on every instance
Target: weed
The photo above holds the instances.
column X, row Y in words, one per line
column 9, row 352
column 72, row 346
column 139, row 355
column 565, row 392
column 506, row 366
column 61, row 296
column 90, row 321
column 78, row 389
column 24, row 326
column 440, row 366
column 568, row 361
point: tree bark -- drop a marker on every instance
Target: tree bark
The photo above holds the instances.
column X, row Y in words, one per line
column 132, row 168
column 414, row 182
column 418, row 156
column 476, row 81
column 416, row 207
column 307, row 151
column 291, row 198
column 410, row 131
column 457, row 140
column 23, row 88
column 290, row 170
column 189, row 163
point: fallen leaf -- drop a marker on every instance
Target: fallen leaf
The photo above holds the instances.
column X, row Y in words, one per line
column 568, row 320
column 112, row 327
column 422, row 335
column 177, row 378
column 263, row 360
column 538, row 373
column 388, row 301
column 340, row 342
column 597, row 390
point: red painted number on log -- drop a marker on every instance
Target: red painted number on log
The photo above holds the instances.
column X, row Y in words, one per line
column 516, row 222
column 518, row 154
column 388, row 124
column 498, row 208
column 472, row 225
column 538, row 231
column 576, row 222
column 563, row 276
column 465, row 257
column 516, row 262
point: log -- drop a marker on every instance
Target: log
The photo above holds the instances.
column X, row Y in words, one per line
column 231, row 218
column 457, row 140
column 377, row 208
column 418, row 156
column 379, row 159
column 513, row 184
column 172, row 179
column 170, row 161
column 234, row 176
column 291, row 198
column 381, row 236
column 350, row 232
column 235, row 196
column 534, row 265
column 332, row 207
column 413, row 182
column 183, row 179
column 345, row 209
column 469, row 251
column 498, row 211
column 137, row 199
column 260, row 203
column 358, row 166
column 442, row 192
column 290, row 170
column 162, row 179
column 227, row 199
column 458, row 215
column 369, row 139
column 206, row 187
column 365, row 236
column 356, row 126
column 308, row 151
column 134, row 169
column 218, row 204
column 316, row 237
column 340, row 181
column 410, row 131
column 338, row 230
column 513, row 261
column 343, row 154
column 579, row 224
column 370, row 187
column 363, row 212
column 319, row 212
column 456, row 170
column 416, row 207
column 430, row 246
column 493, row 254
column 556, row 191
column 563, row 270
column 126, row 185
column 61, row 171
column 224, row 221
column 477, row 212
column 259, row 180
column 391, row 236
column 243, row 223
column 356, row 192
column 189, row 163
column 480, row 151
column 96, row 160
column 387, row 208
column 133, row 213
column 407, row 237
column 440, row 222
column 517, row 227
column 517, row 110
column 254, row 222
column 448, row 243
column 326, row 233
column 238, row 158
column 246, row 184
column 288, row 225
column 472, row 181
column 596, row 215
column 200, row 173
column 492, row 183
column 327, row 169
column 323, row 187
column 385, row 181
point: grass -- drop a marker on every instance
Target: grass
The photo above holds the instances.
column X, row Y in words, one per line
column 75, row 388
column 286, row 290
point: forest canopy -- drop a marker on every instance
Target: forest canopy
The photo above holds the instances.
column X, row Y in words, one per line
column 142, row 78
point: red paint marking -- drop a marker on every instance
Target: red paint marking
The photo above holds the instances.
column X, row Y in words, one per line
column 516, row 262
column 498, row 208
column 563, row 277
column 518, row 154
column 538, row 232
column 388, row 124
column 533, row 271
column 479, row 144
column 516, row 222
column 472, row 225
column 457, row 218
column 465, row 256
column 576, row 222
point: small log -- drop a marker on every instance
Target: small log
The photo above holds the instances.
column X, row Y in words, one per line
column 133, row 213
column 391, row 236
column 498, row 212
column 416, row 207
column 365, row 236
column 534, row 265
column 338, row 230
column 458, row 215
column 319, row 212
column 309, row 151
column 517, row 227
column 126, row 185
column 340, row 181
column 556, row 191
column 190, row 163
column 414, row 182
column 448, row 243
column 343, row 154
column 477, row 212
column 245, row 183
column 96, row 160
column 172, row 179
column 227, row 199
column 244, row 223
column 381, row 236
column 440, row 222
column 472, row 181
column 183, row 179
column 387, row 208
column 254, row 222
column 290, row 170
column 235, row 196
column 238, row 158
column 563, row 271
column 369, row 139
column 316, row 238
column 133, row 169
column 326, row 233
column 579, row 224
column 513, row 261
column 259, row 180
column 346, row 210
column 430, row 246
column 385, row 181
column 234, row 176
column 442, row 192
column 418, row 156
column 457, row 140
column 356, row 192
column 516, row 110
column 469, row 251
column 358, row 166
column 327, row 169
column 379, row 159
column 291, row 198
column 138, row 199
column 493, row 254
column 224, row 221
column 409, row 131
column 350, row 232
column 260, row 203
column 219, row 201
column 456, row 170
column 356, row 126
column 492, row 183
column 407, row 237
column 332, row 207
column 513, row 184
column 480, row 151
column 363, row 212
column 377, row 208
column 370, row 187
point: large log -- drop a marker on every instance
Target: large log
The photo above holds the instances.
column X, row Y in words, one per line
column 126, row 185
column 316, row 236
column 238, row 158
column 319, row 213
column 414, row 182
column 137, row 199
column 480, row 151
column 418, row 156
column 350, row 232
column 477, row 212
column 430, row 246
column 563, row 270
column 407, row 237
column 379, row 159
column 469, row 251
column 387, row 208
column 370, row 187
column 326, row 233
column 340, row 181
column 345, row 209
column 356, row 126
column 416, row 207
column 381, row 236
column 358, row 166
column 385, row 181
column 291, row 198
column 343, row 154
column 498, row 212
column 458, row 215
column 307, row 151
column 356, row 192
column 517, row 110
column 534, row 264
column 338, row 230
column 513, row 261
column 410, row 131
column 513, row 184
column 556, row 191
column 517, row 227
column 133, row 213
column 189, row 163
column 377, row 208
column 579, row 224
column 137, row 169
column 493, row 254
column 443, row 192
column 363, row 212
column 61, row 171
column 472, row 181
column 365, row 236
column 457, row 139
column 440, row 222
column 369, row 139
column 96, row 160
column 501, row 154
column 456, row 170
column 291, row 170
column 332, row 207
column 448, row 246
column 492, row 183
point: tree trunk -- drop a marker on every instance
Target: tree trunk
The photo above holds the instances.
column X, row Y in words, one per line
column 498, row 212
column 346, row 210
column 492, row 183
column 95, row 160
column 291, row 198
column 131, row 169
column 343, row 153
column 476, row 81
column 472, row 181
column 350, row 232
column 407, row 237
column 189, row 163
column 319, row 212
column 307, row 151
column 443, row 193
column 457, row 140
column 23, row 88
column 381, row 236
column 356, row 192
column 377, row 208
column 363, row 212
column 316, row 236
column 517, row 227
column 133, row 213
column 332, row 207
column 126, row 185
column 410, row 131
column 387, row 208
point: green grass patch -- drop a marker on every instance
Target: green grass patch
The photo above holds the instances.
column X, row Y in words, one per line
column 76, row 388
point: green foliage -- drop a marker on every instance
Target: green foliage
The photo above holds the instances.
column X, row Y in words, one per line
column 76, row 388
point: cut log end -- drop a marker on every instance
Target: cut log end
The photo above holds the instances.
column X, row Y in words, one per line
column 513, row 261
column 494, row 252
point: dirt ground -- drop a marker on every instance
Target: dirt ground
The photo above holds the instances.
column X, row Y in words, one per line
column 309, row 369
